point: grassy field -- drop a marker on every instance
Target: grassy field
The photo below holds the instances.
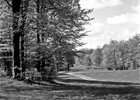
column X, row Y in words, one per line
column 105, row 75
column 16, row 90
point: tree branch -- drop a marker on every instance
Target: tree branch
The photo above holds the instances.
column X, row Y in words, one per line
column 8, row 3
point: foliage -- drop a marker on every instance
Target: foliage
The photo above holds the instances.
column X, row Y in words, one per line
column 32, row 75
column 117, row 55
column 5, row 38
column 83, row 57
column 43, row 33
column 97, row 57
column 87, row 60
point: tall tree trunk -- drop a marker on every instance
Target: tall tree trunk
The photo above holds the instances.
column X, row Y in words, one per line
column 22, row 53
column 42, row 34
column 16, row 34
column 68, row 67
column 22, row 30
column 115, row 63
column 16, row 52
column 123, row 61
column 38, row 35
column 38, row 11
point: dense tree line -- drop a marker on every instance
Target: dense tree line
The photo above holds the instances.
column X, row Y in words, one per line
column 117, row 55
column 41, row 34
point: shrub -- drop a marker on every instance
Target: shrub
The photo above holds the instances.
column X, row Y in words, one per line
column 2, row 72
column 49, row 72
column 32, row 75
column 109, row 68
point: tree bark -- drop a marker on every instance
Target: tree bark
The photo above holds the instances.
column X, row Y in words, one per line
column 38, row 35
column 16, row 34
column 22, row 30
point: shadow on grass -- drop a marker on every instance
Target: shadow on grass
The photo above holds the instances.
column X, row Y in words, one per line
column 77, row 70
column 53, row 91
column 69, row 92
column 63, row 79
column 86, row 89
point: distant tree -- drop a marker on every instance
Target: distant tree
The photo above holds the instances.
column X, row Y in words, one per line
column 97, row 56
column 134, row 54
column 109, row 55
column 87, row 60
column 84, row 57
column 122, row 54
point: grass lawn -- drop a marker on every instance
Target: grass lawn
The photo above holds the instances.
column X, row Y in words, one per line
column 115, row 76
column 16, row 90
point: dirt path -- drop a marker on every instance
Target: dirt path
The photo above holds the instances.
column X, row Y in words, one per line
column 81, row 76
column 71, row 78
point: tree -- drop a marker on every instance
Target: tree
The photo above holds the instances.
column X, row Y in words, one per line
column 133, row 52
column 5, row 38
column 109, row 55
column 22, row 29
column 83, row 56
column 43, row 28
column 97, row 57
column 122, row 51
column 87, row 60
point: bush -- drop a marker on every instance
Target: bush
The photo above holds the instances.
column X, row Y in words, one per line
column 109, row 68
column 32, row 75
column 49, row 72
column 2, row 73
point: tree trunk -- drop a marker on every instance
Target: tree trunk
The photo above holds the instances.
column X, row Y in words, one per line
column 16, row 34
column 38, row 35
column 22, row 30
column 16, row 52
column 123, row 61
column 22, row 54
column 68, row 67
column 115, row 63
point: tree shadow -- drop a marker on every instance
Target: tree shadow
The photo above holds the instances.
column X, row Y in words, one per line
column 64, row 79
column 67, row 90
column 64, row 87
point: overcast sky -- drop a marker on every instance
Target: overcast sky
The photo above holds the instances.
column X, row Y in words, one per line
column 114, row 20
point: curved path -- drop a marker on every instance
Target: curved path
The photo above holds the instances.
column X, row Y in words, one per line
column 81, row 76
column 70, row 78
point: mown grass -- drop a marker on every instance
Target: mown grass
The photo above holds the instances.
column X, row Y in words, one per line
column 16, row 90
column 132, row 76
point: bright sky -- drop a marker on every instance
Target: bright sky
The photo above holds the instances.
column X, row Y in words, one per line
column 114, row 20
